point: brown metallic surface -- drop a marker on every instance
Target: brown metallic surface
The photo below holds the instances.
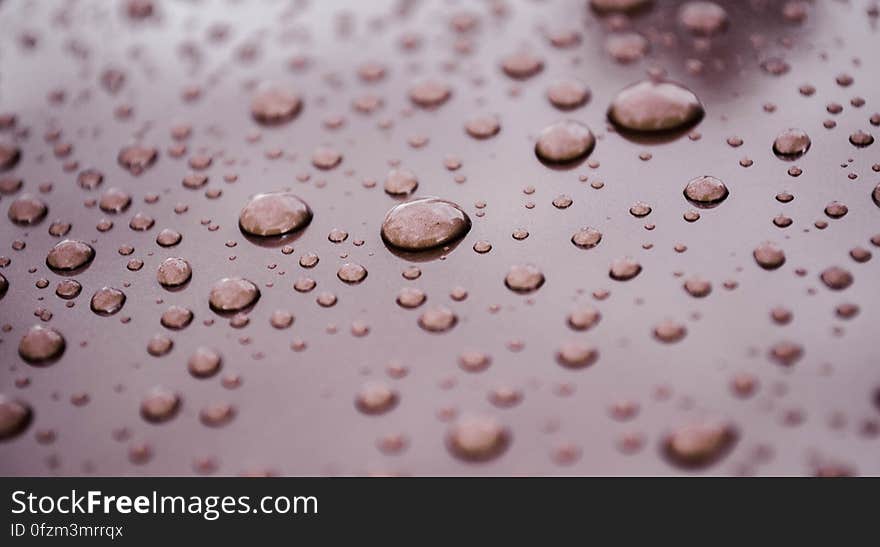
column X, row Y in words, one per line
column 295, row 410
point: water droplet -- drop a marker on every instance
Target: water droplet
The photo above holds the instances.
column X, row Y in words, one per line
column 114, row 200
column 351, row 273
column 168, row 238
column 627, row 47
column 669, row 332
column 706, row 192
column 274, row 214
column 583, row 318
column 699, row 445
column 564, row 142
column 376, row 398
column 438, row 319
column 697, row 287
column 703, row 18
column 27, row 209
column 275, row 106
column 204, row 363
column 159, row 345
column 176, row 317
column 70, row 255
column 160, row 405
column 107, row 301
column 769, row 256
column 836, row 278
column 410, row 297
column 791, row 144
column 861, row 139
column 650, row 107
column 68, row 289
column 624, row 269
column 522, row 65
column 477, row 439
column 576, row 355
column 15, row 417
column 424, row 223
column 524, row 278
column 429, row 94
column 786, row 353
column 401, row 182
column 217, row 414
column 232, row 294
column 173, row 272
column 41, row 345
column 568, row 94
column 483, row 127
column 9, row 156
column 281, row 319
column 137, row 159
column 586, row 238
column 325, row 157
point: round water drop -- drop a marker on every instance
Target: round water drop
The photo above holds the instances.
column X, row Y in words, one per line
column 424, row 223
column 703, row 18
column 275, row 106
column 41, row 345
column 15, row 416
column 477, row 439
column 274, row 214
column 173, row 272
column 401, row 182
column 160, row 405
column 564, row 142
column 791, row 144
column 69, row 255
column 232, row 294
column 27, row 209
column 699, row 445
column 655, row 107
column 107, row 301
column 769, row 256
column 524, row 278
column 706, row 191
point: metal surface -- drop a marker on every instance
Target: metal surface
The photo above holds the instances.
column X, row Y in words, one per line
column 295, row 409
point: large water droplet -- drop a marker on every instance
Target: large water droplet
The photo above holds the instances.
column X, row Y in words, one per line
column 424, row 223
column 274, row 106
column 41, row 345
column 107, row 301
column 160, row 405
column 624, row 269
column 524, row 278
column 706, row 191
column 173, row 272
column 401, row 182
column 654, row 107
column 273, row 214
column 703, row 18
column 769, row 256
column 438, row 319
column 232, row 294
column 69, row 255
column 791, row 144
column 699, row 445
column 376, row 398
column 564, row 142
column 477, row 439
column 27, row 209
column 15, row 416
column 576, row 354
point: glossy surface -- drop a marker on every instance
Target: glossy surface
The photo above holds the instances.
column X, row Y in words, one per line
column 645, row 335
